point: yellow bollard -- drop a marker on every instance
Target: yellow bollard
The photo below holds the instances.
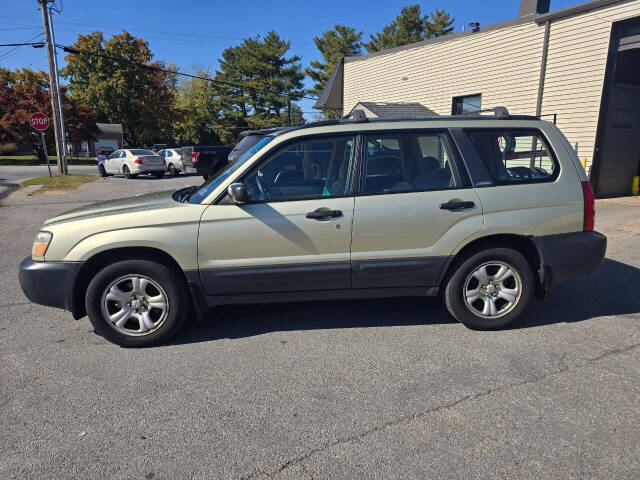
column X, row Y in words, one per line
column 635, row 185
column 584, row 164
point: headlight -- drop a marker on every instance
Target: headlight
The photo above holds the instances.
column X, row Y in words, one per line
column 41, row 243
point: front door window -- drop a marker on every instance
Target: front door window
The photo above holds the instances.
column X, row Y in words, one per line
column 304, row 170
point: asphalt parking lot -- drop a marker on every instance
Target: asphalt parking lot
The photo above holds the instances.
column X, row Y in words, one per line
column 352, row 389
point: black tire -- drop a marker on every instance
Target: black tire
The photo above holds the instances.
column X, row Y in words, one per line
column 103, row 172
column 173, row 171
column 469, row 315
column 167, row 278
column 206, row 176
column 126, row 172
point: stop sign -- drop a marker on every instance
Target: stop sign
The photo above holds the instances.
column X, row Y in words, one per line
column 39, row 121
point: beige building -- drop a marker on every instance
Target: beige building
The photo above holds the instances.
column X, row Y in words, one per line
column 579, row 65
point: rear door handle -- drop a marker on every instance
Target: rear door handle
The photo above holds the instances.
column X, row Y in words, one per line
column 456, row 205
column 321, row 213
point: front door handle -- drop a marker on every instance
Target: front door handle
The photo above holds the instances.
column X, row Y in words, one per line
column 321, row 213
column 456, row 205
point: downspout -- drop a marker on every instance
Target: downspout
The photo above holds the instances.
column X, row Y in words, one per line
column 543, row 67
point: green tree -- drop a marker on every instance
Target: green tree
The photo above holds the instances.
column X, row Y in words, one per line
column 196, row 110
column 440, row 23
column 121, row 84
column 255, row 84
column 341, row 41
column 410, row 27
column 292, row 117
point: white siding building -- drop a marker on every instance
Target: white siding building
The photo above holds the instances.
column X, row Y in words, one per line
column 579, row 65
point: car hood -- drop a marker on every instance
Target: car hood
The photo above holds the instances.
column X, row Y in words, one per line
column 149, row 201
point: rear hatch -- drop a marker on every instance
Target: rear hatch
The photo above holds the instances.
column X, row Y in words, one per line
column 245, row 144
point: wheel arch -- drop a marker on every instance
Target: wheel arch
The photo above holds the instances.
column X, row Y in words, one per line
column 521, row 243
column 107, row 257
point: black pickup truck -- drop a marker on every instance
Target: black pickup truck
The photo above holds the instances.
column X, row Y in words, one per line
column 205, row 161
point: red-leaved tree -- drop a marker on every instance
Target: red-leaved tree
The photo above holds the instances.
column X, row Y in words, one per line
column 23, row 92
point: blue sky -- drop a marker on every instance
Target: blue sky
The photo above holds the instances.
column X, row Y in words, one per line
column 223, row 23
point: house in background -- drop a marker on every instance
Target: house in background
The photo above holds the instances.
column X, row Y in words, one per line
column 580, row 64
column 389, row 110
column 110, row 135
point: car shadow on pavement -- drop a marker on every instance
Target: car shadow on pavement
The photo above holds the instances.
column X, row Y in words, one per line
column 611, row 290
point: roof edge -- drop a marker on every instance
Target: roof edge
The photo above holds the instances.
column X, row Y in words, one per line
column 577, row 9
column 323, row 98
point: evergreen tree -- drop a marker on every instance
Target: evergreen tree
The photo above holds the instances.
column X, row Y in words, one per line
column 410, row 27
column 255, row 84
column 341, row 41
column 440, row 24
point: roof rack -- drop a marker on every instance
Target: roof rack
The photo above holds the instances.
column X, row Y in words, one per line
column 500, row 112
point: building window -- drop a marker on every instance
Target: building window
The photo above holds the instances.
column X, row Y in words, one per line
column 466, row 104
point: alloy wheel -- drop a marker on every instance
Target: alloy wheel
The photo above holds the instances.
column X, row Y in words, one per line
column 135, row 305
column 492, row 290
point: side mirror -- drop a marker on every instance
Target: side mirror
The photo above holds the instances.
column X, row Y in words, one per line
column 238, row 193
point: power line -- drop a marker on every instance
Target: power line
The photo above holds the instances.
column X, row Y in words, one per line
column 17, row 46
column 146, row 30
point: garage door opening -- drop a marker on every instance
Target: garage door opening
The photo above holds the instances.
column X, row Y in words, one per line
column 617, row 154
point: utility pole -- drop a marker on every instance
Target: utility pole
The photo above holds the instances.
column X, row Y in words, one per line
column 54, row 90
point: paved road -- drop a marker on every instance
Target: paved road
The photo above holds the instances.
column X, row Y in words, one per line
column 22, row 172
column 351, row 389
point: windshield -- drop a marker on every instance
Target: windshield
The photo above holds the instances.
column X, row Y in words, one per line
column 210, row 185
column 141, row 152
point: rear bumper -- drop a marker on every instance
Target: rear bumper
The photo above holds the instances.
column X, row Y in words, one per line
column 149, row 168
column 568, row 255
column 49, row 283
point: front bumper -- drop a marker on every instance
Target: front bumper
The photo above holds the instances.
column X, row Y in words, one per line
column 49, row 283
column 568, row 255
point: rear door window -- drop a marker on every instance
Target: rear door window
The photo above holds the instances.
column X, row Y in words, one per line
column 515, row 156
column 407, row 162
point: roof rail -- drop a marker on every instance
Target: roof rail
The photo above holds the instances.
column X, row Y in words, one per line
column 500, row 112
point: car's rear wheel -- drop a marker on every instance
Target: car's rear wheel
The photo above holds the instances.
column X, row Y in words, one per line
column 127, row 173
column 490, row 289
column 137, row 303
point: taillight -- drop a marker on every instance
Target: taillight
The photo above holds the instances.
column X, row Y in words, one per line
column 194, row 157
column 589, row 207
column 164, row 162
column 138, row 161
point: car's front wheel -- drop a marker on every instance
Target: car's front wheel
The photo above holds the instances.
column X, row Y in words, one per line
column 137, row 303
column 490, row 289
column 173, row 171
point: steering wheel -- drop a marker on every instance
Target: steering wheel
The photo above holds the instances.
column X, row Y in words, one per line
column 261, row 188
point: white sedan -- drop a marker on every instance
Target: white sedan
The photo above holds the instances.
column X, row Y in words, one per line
column 133, row 162
column 173, row 159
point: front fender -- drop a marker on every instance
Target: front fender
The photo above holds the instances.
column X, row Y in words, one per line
column 179, row 241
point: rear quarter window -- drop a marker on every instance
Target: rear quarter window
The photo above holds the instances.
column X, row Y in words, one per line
column 515, row 156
